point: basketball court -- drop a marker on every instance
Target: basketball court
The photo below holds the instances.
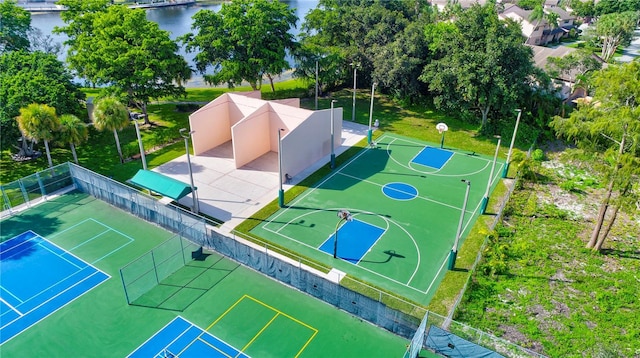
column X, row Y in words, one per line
column 403, row 200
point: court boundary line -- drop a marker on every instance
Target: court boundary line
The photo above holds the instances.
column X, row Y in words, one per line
column 384, row 230
column 9, row 305
column 277, row 232
column 59, row 293
column 57, row 309
column 277, row 313
column 108, row 228
column 310, row 190
column 436, row 172
column 428, row 146
column 175, row 338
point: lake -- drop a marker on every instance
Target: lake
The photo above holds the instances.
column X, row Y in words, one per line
column 176, row 20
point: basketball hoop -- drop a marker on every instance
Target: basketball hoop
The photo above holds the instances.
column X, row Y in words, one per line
column 442, row 127
column 345, row 215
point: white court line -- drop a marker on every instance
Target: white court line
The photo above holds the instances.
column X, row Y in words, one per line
column 109, row 228
column 47, row 301
column 64, row 258
column 319, row 185
column 22, row 243
column 10, row 306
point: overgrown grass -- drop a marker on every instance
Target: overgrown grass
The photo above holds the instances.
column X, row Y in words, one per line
column 539, row 287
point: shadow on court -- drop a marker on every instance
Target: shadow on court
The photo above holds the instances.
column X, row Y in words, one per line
column 186, row 285
column 372, row 162
column 390, row 254
column 37, row 222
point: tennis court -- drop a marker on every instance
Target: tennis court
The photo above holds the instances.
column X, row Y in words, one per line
column 405, row 200
column 75, row 238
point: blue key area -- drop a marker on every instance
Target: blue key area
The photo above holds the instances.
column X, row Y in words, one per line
column 355, row 239
column 38, row 278
column 400, row 191
column 432, row 157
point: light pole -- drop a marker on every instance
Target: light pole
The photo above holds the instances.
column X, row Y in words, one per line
column 485, row 199
column 370, row 131
column 186, row 135
column 316, row 85
column 281, row 191
column 333, row 154
column 343, row 215
column 513, row 140
column 353, row 109
column 454, row 251
column 144, row 159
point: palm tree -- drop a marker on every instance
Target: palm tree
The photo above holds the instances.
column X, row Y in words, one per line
column 537, row 15
column 39, row 122
column 73, row 132
column 110, row 114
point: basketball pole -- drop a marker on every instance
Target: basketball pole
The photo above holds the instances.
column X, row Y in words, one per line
column 485, row 199
column 281, row 191
column 370, row 131
column 513, row 139
column 454, row 250
column 353, row 107
column 333, row 154
column 343, row 215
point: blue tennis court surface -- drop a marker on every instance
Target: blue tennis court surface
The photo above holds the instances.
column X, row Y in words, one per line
column 432, row 157
column 355, row 238
column 38, row 278
column 181, row 338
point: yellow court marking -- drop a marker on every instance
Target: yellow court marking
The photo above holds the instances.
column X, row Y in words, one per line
column 278, row 313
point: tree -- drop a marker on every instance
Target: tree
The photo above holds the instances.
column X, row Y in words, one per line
column 15, row 24
column 244, row 41
column 359, row 31
column 110, row 114
column 536, row 15
column 39, row 122
column 616, row 6
column 35, row 77
column 529, row 4
column 609, row 128
column 582, row 8
column 480, row 65
column 122, row 49
column 615, row 29
column 72, row 131
column 577, row 65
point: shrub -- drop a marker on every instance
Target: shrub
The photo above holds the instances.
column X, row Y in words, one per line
column 538, row 155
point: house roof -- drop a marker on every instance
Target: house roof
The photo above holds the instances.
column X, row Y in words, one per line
column 541, row 55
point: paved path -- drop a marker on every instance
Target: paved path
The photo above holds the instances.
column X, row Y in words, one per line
column 633, row 50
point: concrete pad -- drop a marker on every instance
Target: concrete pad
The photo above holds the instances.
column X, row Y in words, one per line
column 233, row 195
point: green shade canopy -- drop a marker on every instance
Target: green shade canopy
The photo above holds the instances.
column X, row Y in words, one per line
column 161, row 184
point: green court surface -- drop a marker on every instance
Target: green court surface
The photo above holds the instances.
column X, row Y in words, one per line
column 406, row 197
column 252, row 313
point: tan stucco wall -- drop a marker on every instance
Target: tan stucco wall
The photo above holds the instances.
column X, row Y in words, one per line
column 310, row 141
column 210, row 125
column 251, row 136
